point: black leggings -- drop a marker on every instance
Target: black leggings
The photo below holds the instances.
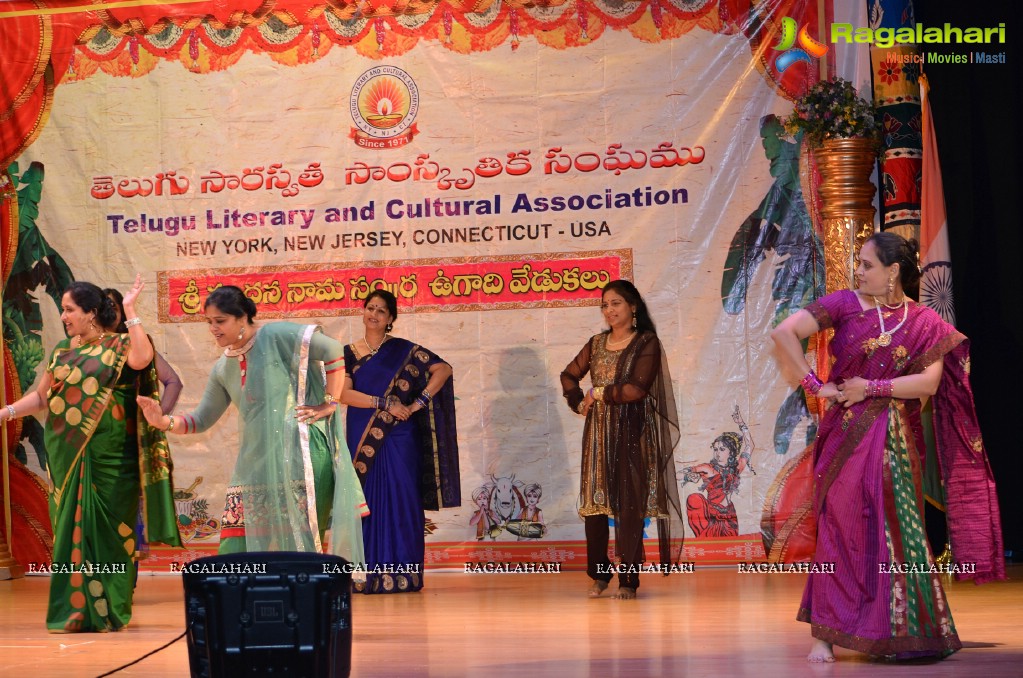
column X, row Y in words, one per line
column 628, row 543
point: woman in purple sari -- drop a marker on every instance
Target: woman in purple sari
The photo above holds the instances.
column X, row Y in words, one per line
column 401, row 431
column 885, row 596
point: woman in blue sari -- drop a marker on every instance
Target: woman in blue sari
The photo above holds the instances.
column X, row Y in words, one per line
column 401, row 431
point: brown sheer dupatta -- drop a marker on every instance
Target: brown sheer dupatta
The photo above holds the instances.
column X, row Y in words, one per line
column 644, row 431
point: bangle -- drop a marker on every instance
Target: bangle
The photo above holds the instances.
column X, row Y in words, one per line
column 170, row 428
column 328, row 399
column 132, row 322
column 385, row 404
column 10, row 410
column 581, row 407
column 880, row 388
column 812, row 383
column 597, row 393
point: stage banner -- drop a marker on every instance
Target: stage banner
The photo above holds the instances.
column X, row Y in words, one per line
column 494, row 170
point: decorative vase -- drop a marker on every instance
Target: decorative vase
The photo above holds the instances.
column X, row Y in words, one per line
column 847, row 204
column 846, row 198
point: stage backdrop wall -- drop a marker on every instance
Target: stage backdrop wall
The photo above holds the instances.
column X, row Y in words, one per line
column 494, row 176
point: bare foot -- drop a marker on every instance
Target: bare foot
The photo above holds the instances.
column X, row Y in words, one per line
column 625, row 593
column 596, row 588
column 820, row 652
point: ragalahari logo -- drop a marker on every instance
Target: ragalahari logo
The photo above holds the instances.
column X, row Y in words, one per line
column 807, row 50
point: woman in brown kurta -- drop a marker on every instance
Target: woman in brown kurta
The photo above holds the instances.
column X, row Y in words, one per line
column 628, row 470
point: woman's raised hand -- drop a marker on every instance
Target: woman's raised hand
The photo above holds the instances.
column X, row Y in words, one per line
column 133, row 294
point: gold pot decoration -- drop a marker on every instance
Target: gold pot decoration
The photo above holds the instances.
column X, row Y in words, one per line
column 847, row 204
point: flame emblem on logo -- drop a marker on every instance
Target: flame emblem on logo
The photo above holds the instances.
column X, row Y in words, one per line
column 384, row 103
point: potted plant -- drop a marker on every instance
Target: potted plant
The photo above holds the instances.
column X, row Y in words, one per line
column 833, row 109
column 842, row 132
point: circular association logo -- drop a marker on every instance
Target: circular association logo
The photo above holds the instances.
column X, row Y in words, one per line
column 384, row 104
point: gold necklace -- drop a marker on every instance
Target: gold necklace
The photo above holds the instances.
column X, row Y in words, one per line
column 891, row 306
column 78, row 342
column 608, row 344
column 885, row 338
column 373, row 351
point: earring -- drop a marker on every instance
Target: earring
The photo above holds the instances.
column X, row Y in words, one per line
column 92, row 324
column 633, row 321
column 241, row 334
column 891, row 285
column 389, row 327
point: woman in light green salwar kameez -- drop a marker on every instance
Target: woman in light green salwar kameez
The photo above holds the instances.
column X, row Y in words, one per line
column 293, row 478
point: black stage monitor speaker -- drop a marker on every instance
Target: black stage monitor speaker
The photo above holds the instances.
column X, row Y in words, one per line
column 269, row 614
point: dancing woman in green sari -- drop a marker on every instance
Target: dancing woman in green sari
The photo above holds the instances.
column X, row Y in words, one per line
column 99, row 455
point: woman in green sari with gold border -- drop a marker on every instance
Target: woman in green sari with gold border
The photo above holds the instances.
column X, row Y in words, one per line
column 100, row 453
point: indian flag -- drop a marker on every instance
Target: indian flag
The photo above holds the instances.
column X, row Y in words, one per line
column 935, row 256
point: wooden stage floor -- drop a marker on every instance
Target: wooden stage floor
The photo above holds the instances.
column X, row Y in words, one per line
column 714, row 622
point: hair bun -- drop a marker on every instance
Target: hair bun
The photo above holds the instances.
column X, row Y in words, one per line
column 249, row 305
column 233, row 301
column 913, row 253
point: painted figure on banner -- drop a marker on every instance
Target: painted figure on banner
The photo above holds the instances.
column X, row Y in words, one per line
column 506, row 500
column 403, row 439
column 779, row 230
column 482, row 518
column 530, row 524
column 101, row 458
column 713, row 514
column 194, row 520
column 629, row 438
column 292, row 480
column 504, row 503
column 890, row 353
